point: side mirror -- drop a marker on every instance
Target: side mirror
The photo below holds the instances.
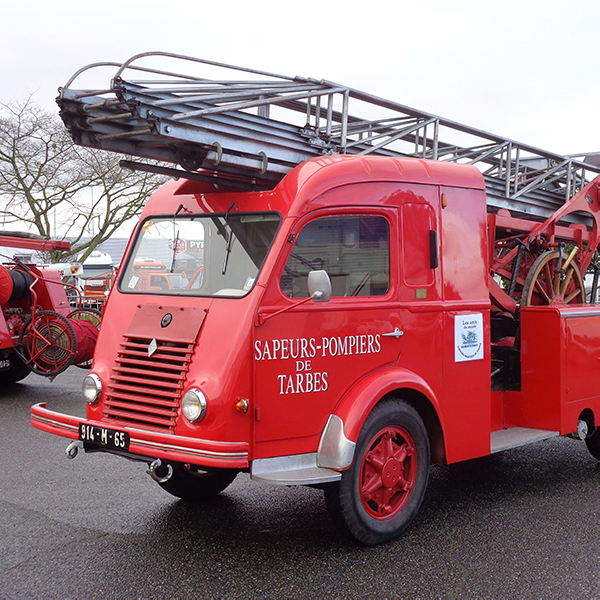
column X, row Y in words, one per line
column 319, row 286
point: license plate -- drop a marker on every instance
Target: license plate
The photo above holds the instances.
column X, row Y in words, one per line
column 4, row 364
column 109, row 438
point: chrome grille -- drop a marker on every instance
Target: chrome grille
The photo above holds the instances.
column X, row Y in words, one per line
column 145, row 391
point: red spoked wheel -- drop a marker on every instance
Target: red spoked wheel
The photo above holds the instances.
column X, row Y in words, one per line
column 553, row 281
column 49, row 343
column 380, row 494
column 388, row 472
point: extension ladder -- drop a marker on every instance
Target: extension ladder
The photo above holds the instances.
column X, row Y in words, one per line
column 248, row 128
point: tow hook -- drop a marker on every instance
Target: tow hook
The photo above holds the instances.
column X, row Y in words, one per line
column 160, row 471
column 73, row 448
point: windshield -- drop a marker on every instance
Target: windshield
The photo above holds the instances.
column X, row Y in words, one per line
column 199, row 255
column 96, row 271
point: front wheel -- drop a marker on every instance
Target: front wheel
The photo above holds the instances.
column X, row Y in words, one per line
column 380, row 494
column 191, row 483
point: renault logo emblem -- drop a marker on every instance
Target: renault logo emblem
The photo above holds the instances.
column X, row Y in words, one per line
column 152, row 347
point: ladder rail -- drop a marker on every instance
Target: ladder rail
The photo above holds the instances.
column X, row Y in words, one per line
column 261, row 128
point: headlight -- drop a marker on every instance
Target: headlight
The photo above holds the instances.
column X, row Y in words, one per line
column 92, row 388
column 194, row 405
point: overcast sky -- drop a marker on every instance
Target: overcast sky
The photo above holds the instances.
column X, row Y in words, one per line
column 524, row 69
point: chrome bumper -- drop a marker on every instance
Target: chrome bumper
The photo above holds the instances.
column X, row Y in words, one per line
column 207, row 453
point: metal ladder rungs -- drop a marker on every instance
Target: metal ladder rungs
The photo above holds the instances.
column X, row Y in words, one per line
column 226, row 123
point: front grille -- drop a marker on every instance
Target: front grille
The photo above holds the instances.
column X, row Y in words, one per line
column 145, row 391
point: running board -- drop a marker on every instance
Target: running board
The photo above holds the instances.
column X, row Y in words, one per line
column 518, row 436
column 298, row 469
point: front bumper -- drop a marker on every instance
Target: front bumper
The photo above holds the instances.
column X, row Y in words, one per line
column 206, row 453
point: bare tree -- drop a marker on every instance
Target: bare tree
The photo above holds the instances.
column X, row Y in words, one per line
column 50, row 185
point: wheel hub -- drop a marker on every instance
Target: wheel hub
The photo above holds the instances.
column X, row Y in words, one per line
column 391, row 472
column 388, row 472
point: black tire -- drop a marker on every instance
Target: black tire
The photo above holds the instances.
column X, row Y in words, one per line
column 191, row 483
column 593, row 443
column 393, row 453
column 18, row 370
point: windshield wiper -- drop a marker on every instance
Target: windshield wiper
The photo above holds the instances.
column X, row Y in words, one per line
column 230, row 239
column 176, row 237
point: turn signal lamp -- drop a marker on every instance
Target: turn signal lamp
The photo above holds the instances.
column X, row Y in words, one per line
column 193, row 405
column 92, row 388
column 242, row 406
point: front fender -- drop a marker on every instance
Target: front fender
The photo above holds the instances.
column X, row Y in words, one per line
column 362, row 397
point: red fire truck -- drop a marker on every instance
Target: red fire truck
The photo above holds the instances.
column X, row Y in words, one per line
column 358, row 311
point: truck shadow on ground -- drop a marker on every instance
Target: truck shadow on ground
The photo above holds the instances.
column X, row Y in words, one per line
column 512, row 483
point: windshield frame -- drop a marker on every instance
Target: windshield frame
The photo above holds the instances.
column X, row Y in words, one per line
column 131, row 255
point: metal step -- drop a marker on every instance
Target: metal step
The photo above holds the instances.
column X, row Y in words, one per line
column 504, row 439
column 297, row 469
column 257, row 126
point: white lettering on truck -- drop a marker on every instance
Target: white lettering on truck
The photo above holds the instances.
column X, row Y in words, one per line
column 303, row 350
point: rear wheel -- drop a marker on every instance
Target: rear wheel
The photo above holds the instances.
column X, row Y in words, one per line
column 593, row 443
column 190, row 482
column 380, row 494
column 18, row 370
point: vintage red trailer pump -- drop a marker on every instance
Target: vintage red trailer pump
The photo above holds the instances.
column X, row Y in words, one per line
column 345, row 327
column 39, row 332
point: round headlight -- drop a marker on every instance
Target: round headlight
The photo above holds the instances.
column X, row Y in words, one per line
column 92, row 388
column 194, row 405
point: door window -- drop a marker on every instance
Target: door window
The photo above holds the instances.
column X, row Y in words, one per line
column 353, row 249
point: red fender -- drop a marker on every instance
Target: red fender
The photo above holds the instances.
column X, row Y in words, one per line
column 362, row 397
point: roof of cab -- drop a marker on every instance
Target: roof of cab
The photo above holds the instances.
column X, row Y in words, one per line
column 315, row 176
column 310, row 179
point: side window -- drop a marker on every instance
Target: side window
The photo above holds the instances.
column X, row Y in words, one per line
column 353, row 249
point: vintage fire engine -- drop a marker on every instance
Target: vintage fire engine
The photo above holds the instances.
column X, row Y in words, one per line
column 343, row 300
column 39, row 331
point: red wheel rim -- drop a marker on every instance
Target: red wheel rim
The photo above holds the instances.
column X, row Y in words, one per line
column 388, row 472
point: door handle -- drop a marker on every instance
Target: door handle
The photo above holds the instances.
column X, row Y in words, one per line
column 396, row 333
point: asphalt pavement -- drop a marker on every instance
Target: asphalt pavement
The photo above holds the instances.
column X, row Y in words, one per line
column 520, row 524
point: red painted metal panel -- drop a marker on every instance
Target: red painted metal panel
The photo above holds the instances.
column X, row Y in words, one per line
column 538, row 404
column 6, row 340
column 560, row 367
column 417, row 220
column 464, row 245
